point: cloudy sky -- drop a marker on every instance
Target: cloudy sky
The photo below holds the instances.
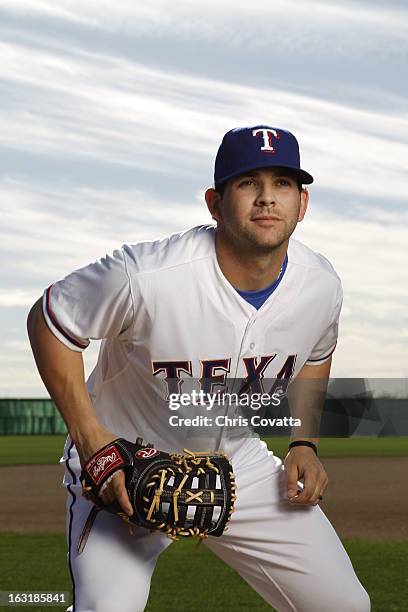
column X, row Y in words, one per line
column 111, row 114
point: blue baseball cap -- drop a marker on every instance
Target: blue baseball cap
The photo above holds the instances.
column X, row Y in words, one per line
column 260, row 146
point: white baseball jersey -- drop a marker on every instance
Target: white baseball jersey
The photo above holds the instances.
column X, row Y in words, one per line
column 167, row 315
column 165, row 311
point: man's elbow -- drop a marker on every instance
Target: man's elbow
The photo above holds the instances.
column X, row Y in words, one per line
column 32, row 315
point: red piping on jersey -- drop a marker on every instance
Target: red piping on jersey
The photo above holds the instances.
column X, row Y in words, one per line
column 326, row 356
column 57, row 325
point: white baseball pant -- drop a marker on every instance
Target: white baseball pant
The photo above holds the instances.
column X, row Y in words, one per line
column 291, row 555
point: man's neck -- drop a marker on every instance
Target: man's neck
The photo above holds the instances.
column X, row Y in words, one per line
column 249, row 270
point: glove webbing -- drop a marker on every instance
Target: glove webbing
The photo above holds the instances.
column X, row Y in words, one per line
column 202, row 499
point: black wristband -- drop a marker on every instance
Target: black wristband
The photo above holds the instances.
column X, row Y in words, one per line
column 303, row 443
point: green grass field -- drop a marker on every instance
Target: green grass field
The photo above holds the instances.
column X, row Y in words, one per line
column 31, row 450
column 37, row 562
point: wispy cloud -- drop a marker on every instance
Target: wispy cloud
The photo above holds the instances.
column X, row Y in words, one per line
column 370, row 258
column 208, row 20
column 112, row 113
column 366, row 254
column 77, row 109
column 55, row 229
column 15, row 297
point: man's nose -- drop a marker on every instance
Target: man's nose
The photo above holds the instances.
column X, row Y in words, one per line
column 266, row 196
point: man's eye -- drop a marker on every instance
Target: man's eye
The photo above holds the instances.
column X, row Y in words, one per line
column 247, row 182
column 284, row 182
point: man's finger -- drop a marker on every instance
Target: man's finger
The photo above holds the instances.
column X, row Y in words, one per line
column 291, row 482
column 315, row 484
column 314, row 498
column 121, row 494
column 107, row 493
column 319, row 491
column 304, row 497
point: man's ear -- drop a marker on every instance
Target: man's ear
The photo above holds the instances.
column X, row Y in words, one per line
column 304, row 201
column 213, row 200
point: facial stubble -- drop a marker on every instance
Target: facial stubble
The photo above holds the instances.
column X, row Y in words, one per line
column 260, row 241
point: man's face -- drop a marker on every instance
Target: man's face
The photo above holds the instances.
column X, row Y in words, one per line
column 260, row 210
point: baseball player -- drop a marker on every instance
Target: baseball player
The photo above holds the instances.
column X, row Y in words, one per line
column 238, row 299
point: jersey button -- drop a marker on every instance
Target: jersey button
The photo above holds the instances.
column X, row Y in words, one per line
column 252, row 345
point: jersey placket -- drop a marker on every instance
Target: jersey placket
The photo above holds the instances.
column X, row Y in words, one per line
column 245, row 345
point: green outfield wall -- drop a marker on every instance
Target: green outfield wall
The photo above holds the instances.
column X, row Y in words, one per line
column 30, row 416
column 341, row 418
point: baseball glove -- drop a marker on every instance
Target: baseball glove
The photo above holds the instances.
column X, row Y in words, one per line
column 189, row 494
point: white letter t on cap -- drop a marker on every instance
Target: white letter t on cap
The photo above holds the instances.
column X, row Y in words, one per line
column 267, row 138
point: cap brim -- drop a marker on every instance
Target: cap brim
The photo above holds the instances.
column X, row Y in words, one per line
column 304, row 177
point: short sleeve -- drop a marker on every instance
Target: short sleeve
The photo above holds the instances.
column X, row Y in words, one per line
column 92, row 302
column 326, row 345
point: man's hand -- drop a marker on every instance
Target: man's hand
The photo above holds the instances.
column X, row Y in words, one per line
column 301, row 463
column 114, row 488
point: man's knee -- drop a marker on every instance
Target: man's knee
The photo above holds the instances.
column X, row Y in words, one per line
column 130, row 606
column 351, row 599
column 361, row 602
column 112, row 604
column 355, row 600
column 123, row 596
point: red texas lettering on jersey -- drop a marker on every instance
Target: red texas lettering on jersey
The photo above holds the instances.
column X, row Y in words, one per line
column 214, row 374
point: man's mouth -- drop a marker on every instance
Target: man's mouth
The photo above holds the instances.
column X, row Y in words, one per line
column 266, row 218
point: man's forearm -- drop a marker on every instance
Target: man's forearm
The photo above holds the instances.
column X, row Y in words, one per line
column 306, row 396
column 306, row 401
column 62, row 371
